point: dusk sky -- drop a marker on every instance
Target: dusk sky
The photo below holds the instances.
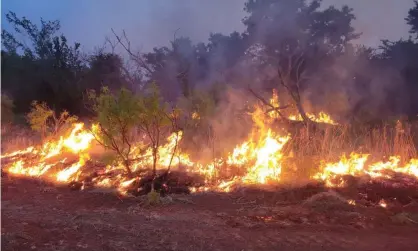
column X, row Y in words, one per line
column 150, row 23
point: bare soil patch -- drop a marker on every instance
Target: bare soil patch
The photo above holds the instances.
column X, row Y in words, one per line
column 39, row 216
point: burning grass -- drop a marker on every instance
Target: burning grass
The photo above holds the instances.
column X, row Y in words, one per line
column 275, row 152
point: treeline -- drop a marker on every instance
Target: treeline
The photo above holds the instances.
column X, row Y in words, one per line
column 304, row 51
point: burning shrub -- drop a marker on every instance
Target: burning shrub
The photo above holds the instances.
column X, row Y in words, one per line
column 117, row 116
column 120, row 116
column 44, row 120
column 156, row 122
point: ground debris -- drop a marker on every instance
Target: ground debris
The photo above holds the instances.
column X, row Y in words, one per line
column 327, row 201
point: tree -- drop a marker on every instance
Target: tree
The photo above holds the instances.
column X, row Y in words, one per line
column 401, row 56
column 179, row 64
column 42, row 66
column 412, row 19
column 104, row 69
column 296, row 38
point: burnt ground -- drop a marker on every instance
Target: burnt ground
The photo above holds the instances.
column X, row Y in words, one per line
column 38, row 216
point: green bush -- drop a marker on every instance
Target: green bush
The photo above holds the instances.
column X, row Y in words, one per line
column 44, row 120
column 117, row 117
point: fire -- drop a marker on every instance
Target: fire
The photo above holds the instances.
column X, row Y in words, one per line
column 257, row 160
column 355, row 165
column 67, row 173
column 77, row 141
column 264, row 153
column 19, row 152
column 19, row 167
column 351, row 202
column 383, row 203
column 352, row 166
column 322, row 117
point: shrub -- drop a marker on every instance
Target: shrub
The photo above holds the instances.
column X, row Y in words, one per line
column 44, row 120
column 117, row 117
column 121, row 115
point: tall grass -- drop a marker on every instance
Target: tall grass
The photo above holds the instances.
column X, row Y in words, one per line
column 15, row 137
column 326, row 143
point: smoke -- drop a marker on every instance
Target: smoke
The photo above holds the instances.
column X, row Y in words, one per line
column 356, row 86
column 351, row 85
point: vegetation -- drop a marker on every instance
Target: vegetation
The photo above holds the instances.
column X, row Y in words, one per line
column 117, row 118
column 156, row 122
column 299, row 48
column 6, row 109
column 44, row 120
column 122, row 117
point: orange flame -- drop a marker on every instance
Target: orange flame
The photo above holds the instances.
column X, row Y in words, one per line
column 259, row 158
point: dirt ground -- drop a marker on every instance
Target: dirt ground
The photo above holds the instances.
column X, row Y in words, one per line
column 38, row 216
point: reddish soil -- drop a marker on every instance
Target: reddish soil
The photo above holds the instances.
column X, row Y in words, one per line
column 38, row 216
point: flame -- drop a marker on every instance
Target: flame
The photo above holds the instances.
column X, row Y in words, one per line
column 66, row 174
column 322, row 117
column 355, row 165
column 19, row 152
column 19, row 167
column 351, row 202
column 264, row 153
column 77, row 141
column 346, row 166
column 257, row 160
column 383, row 203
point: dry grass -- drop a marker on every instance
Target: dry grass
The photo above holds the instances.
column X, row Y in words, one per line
column 326, row 143
column 15, row 137
column 330, row 142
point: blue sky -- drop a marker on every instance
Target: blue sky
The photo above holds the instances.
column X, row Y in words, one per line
column 150, row 23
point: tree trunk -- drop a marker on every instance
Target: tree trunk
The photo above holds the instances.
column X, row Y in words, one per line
column 302, row 112
column 128, row 168
column 154, row 164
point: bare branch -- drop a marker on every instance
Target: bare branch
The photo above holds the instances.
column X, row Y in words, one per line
column 137, row 58
column 273, row 108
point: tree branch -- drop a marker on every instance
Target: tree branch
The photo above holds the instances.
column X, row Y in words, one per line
column 273, row 108
column 127, row 48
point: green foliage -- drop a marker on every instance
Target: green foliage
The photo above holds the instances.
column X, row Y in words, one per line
column 154, row 112
column 116, row 113
column 38, row 117
column 122, row 114
column 43, row 66
column 43, row 119
column 6, row 109
column 117, row 116
column 155, row 120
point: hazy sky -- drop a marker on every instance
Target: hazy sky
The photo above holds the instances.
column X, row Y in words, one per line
column 150, row 23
